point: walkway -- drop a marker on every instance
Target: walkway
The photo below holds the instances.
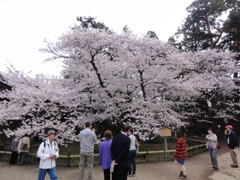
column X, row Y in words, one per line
column 199, row 168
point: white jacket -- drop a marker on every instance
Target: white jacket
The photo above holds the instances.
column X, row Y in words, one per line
column 44, row 153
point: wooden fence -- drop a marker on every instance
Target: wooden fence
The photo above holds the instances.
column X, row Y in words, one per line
column 142, row 157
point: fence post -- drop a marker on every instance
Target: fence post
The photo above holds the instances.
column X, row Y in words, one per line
column 165, row 148
column 69, row 158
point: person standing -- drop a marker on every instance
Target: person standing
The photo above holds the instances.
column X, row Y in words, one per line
column 211, row 143
column 87, row 140
column 132, row 153
column 233, row 144
column 23, row 149
column 120, row 154
column 48, row 152
column 14, row 149
column 105, row 159
column 181, row 154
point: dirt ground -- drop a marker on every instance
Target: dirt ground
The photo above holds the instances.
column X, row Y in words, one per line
column 225, row 171
column 198, row 167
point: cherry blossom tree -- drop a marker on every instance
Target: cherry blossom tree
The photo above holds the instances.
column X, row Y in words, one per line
column 40, row 105
column 140, row 80
column 119, row 78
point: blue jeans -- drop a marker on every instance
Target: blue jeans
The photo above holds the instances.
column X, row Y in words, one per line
column 213, row 155
column 132, row 162
column 51, row 172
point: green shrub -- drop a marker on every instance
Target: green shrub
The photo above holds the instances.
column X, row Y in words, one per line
column 96, row 148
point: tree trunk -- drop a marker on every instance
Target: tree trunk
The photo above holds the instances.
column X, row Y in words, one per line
column 235, row 39
column 209, row 32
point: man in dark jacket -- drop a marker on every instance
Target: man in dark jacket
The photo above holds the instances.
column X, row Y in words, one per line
column 120, row 152
column 233, row 145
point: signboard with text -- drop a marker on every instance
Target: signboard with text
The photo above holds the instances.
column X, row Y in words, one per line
column 166, row 132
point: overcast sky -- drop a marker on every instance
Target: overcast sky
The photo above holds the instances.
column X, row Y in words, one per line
column 24, row 24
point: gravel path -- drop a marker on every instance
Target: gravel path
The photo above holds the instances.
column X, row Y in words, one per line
column 198, row 167
column 225, row 172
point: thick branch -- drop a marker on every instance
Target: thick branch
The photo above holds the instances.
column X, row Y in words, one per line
column 209, row 31
column 142, row 83
column 99, row 75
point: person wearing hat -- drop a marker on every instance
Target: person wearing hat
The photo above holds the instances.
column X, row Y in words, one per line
column 233, row 145
column 87, row 140
column 47, row 152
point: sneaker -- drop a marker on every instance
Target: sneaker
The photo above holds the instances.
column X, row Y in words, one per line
column 181, row 174
column 234, row 166
column 215, row 168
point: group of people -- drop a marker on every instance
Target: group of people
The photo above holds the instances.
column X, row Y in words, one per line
column 19, row 147
column 232, row 142
column 117, row 155
column 212, row 145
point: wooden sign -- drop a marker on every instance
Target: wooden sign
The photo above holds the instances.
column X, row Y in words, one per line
column 165, row 132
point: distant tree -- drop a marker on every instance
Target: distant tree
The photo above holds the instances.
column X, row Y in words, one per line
column 90, row 22
column 152, row 34
column 202, row 28
column 126, row 29
column 207, row 28
column 232, row 29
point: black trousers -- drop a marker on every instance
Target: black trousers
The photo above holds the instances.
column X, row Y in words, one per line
column 14, row 157
column 120, row 173
column 106, row 174
column 22, row 156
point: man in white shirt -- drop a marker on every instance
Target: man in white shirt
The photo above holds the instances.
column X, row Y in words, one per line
column 48, row 151
column 132, row 153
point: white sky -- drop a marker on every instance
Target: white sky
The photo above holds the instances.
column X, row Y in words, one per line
column 24, row 24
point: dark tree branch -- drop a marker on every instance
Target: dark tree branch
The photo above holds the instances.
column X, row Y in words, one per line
column 92, row 62
column 142, row 83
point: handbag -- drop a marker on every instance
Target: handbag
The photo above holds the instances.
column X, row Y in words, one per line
column 24, row 147
column 219, row 146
